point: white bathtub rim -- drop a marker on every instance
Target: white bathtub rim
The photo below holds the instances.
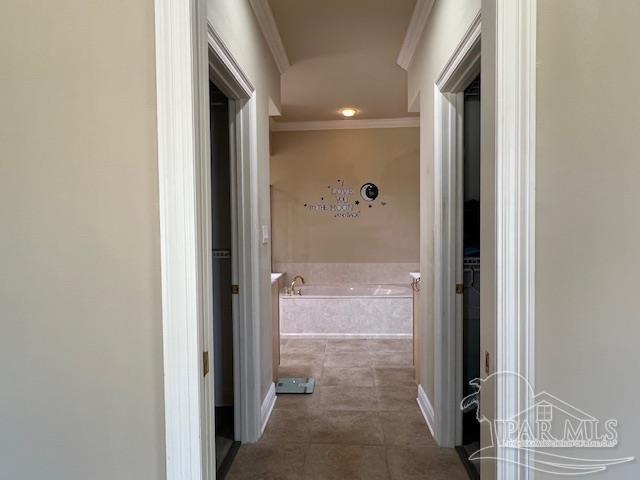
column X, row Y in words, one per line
column 407, row 294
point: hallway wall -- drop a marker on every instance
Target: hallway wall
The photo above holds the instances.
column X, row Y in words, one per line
column 236, row 24
column 587, row 222
column 80, row 299
column 80, row 294
column 371, row 244
column 586, row 190
column 488, row 272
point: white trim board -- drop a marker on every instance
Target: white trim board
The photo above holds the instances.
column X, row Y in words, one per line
column 228, row 76
column 183, row 66
column 514, row 250
column 426, row 409
column 417, row 23
column 460, row 69
column 238, row 85
column 515, row 122
column 182, row 97
column 269, row 28
column 462, row 65
column 402, row 122
column 266, row 409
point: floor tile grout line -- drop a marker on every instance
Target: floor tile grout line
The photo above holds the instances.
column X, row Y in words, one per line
column 377, row 413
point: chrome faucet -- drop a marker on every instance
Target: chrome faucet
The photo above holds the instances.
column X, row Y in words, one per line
column 293, row 285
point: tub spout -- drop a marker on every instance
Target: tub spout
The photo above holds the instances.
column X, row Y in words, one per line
column 293, row 285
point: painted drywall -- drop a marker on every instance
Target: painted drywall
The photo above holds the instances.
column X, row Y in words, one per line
column 235, row 23
column 343, row 53
column 305, row 168
column 445, row 27
column 587, row 223
column 81, row 350
column 80, row 295
column 488, row 221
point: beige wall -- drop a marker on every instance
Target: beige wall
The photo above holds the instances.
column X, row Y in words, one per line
column 236, row 24
column 446, row 25
column 488, row 220
column 80, row 307
column 304, row 164
column 587, row 223
column 80, row 297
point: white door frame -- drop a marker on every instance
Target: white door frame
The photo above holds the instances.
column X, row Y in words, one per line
column 229, row 77
column 462, row 67
column 183, row 136
column 515, row 151
column 515, row 42
column 184, row 41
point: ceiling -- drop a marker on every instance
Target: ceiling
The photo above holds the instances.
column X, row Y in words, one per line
column 343, row 53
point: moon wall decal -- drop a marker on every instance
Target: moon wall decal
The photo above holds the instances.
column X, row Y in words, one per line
column 369, row 192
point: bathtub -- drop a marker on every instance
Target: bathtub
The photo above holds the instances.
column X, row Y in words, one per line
column 327, row 311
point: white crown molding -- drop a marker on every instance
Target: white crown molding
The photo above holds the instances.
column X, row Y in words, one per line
column 403, row 122
column 418, row 21
column 269, row 28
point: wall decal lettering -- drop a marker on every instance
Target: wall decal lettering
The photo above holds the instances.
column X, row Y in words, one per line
column 341, row 204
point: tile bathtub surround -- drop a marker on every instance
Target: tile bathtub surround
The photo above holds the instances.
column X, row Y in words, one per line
column 348, row 273
column 346, row 316
column 362, row 422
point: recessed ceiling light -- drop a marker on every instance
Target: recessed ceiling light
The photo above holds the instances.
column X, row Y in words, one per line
column 348, row 112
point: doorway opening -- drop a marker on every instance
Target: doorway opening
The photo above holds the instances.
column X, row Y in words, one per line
column 181, row 82
column 221, row 243
column 460, row 72
column 469, row 197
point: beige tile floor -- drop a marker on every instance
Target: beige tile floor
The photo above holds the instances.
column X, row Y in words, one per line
column 362, row 422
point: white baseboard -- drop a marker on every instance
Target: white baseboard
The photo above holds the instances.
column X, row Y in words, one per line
column 329, row 336
column 267, row 406
column 426, row 409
